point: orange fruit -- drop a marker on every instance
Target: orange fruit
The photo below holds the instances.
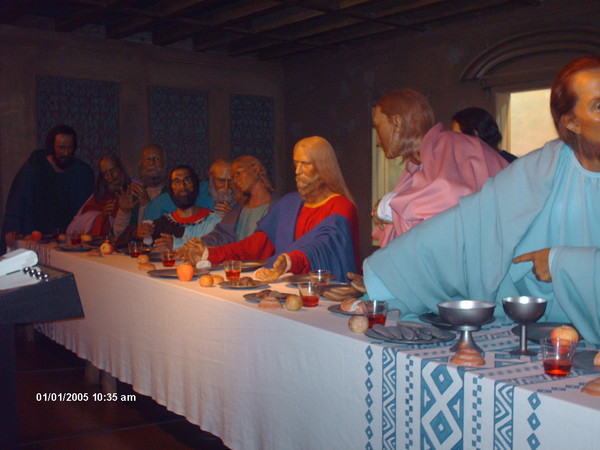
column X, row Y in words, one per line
column 185, row 272
column 36, row 236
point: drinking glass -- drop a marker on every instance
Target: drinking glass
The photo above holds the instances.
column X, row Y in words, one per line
column 320, row 278
column 135, row 249
column 168, row 258
column 557, row 356
column 309, row 294
column 75, row 236
column 233, row 268
column 375, row 311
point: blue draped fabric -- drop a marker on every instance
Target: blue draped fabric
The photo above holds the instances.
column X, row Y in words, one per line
column 542, row 200
column 327, row 246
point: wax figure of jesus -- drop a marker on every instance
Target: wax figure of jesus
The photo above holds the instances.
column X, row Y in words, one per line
column 442, row 166
column 316, row 227
column 533, row 229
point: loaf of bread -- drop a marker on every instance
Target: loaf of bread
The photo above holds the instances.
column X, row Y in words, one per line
column 352, row 305
column 467, row 357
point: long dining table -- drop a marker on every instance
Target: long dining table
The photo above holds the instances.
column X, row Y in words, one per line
column 262, row 379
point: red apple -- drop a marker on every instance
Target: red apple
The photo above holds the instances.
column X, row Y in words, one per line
column 36, row 236
column 565, row 332
column 106, row 248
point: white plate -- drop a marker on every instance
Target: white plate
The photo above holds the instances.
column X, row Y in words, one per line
column 247, row 266
column 337, row 309
column 254, row 298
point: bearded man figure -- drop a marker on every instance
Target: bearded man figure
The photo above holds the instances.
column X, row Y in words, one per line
column 325, row 231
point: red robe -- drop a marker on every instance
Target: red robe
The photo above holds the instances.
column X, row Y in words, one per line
column 258, row 246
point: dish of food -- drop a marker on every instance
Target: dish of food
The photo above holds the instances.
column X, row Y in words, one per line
column 243, row 283
column 295, row 279
column 538, row 330
column 172, row 273
column 337, row 309
column 409, row 333
column 247, row 266
column 256, row 297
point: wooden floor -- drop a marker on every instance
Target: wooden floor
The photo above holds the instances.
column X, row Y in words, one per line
column 133, row 422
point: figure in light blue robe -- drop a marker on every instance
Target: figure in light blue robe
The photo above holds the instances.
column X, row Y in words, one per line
column 544, row 200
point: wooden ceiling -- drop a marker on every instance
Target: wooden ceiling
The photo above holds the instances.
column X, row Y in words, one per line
column 257, row 29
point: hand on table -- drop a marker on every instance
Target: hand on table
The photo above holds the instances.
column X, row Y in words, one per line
column 541, row 269
column 269, row 275
column 356, row 289
column 192, row 251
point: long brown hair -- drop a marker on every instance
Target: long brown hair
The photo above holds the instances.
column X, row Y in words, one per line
column 563, row 97
column 416, row 117
column 323, row 158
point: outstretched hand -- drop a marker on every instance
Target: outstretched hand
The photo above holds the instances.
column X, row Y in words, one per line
column 541, row 268
column 270, row 275
column 192, row 251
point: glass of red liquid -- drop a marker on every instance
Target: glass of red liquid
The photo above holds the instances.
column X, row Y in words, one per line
column 375, row 311
column 233, row 268
column 135, row 249
column 309, row 293
column 557, row 356
column 168, row 258
column 75, row 237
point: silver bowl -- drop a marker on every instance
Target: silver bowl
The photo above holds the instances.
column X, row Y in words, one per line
column 466, row 312
column 466, row 316
column 524, row 310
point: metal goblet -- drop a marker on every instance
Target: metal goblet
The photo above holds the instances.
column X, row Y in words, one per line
column 524, row 310
column 466, row 316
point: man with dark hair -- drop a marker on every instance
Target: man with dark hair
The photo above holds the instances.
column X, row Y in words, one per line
column 48, row 189
column 532, row 229
column 173, row 229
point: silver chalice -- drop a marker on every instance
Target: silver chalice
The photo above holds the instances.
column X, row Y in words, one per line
column 524, row 310
column 466, row 316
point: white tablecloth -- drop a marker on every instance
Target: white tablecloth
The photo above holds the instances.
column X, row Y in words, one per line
column 273, row 380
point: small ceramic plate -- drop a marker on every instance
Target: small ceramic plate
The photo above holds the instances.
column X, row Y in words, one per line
column 247, row 266
column 585, row 360
column 295, row 279
column 75, row 248
column 337, row 309
column 410, row 333
column 254, row 297
column 257, row 285
column 172, row 273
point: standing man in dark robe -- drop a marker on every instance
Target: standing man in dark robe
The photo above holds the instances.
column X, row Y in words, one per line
column 48, row 190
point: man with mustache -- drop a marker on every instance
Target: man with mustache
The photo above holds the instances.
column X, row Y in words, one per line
column 313, row 228
column 187, row 221
column 532, row 230
column 48, row 189
column 97, row 215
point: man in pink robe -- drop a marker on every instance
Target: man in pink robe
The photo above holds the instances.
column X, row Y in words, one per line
column 442, row 166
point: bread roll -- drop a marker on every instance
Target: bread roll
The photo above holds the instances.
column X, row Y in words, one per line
column 352, row 305
column 597, row 359
column 146, row 266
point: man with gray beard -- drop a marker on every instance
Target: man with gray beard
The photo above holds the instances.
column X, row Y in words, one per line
column 173, row 229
